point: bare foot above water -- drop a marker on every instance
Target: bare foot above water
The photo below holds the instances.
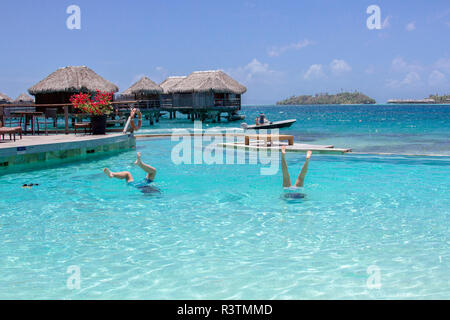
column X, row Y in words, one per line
column 138, row 160
column 108, row 172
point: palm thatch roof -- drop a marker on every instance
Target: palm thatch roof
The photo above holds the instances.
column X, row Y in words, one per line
column 170, row 82
column 206, row 81
column 24, row 98
column 143, row 86
column 4, row 98
column 73, row 79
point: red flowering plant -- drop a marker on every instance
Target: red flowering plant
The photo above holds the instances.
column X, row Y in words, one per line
column 100, row 105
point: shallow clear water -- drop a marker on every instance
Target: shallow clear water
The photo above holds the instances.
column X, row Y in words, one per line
column 224, row 232
column 398, row 129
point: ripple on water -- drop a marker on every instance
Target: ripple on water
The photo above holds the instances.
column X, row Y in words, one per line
column 223, row 232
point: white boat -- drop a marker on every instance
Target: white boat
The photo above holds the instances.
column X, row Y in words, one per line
column 269, row 125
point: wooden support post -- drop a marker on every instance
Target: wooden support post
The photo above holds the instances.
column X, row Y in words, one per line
column 66, row 118
column 175, row 114
column 218, row 117
column 151, row 119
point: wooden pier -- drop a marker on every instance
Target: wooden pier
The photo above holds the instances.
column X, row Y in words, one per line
column 257, row 144
column 296, row 147
column 151, row 110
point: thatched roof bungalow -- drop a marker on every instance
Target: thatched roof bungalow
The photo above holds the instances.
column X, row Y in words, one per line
column 170, row 82
column 207, row 89
column 24, row 98
column 166, row 85
column 4, row 98
column 59, row 86
column 145, row 89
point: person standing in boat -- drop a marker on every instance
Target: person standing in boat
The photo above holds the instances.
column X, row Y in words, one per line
column 262, row 118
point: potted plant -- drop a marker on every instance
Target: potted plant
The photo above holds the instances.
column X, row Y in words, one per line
column 98, row 108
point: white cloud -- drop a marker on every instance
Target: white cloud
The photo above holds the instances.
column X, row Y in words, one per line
column 411, row 26
column 315, row 71
column 443, row 64
column 436, row 74
column 336, row 67
column 400, row 65
column 276, row 51
column 411, row 79
column 252, row 71
column 256, row 68
column 339, row 66
column 436, row 78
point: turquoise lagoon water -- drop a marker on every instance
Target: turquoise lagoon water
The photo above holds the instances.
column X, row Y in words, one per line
column 225, row 232
column 397, row 129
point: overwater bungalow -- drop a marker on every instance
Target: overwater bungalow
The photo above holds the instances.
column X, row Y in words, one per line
column 207, row 89
column 166, row 85
column 24, row 99
column 146, row 91
column 59, row 86
column 5, row 99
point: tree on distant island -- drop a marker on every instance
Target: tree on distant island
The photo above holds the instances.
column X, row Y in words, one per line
column 325, row 98
column 440, row 99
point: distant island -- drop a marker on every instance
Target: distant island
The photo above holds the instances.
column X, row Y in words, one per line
column 440, row 99
column 325, row 98
column 432, row 99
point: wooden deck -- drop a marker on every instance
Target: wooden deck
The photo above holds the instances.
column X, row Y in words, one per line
column 151, row 111
column 296, row 147
column 258, row 144
column 41, row 149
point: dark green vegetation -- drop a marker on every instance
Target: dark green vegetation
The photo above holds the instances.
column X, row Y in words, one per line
column 440, row 99
column 325, row 98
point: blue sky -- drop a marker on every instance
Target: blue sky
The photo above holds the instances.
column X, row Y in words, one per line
column 275, row 48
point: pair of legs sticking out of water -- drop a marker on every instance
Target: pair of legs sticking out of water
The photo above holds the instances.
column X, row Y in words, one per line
column 292, row 190
column 144, row 186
